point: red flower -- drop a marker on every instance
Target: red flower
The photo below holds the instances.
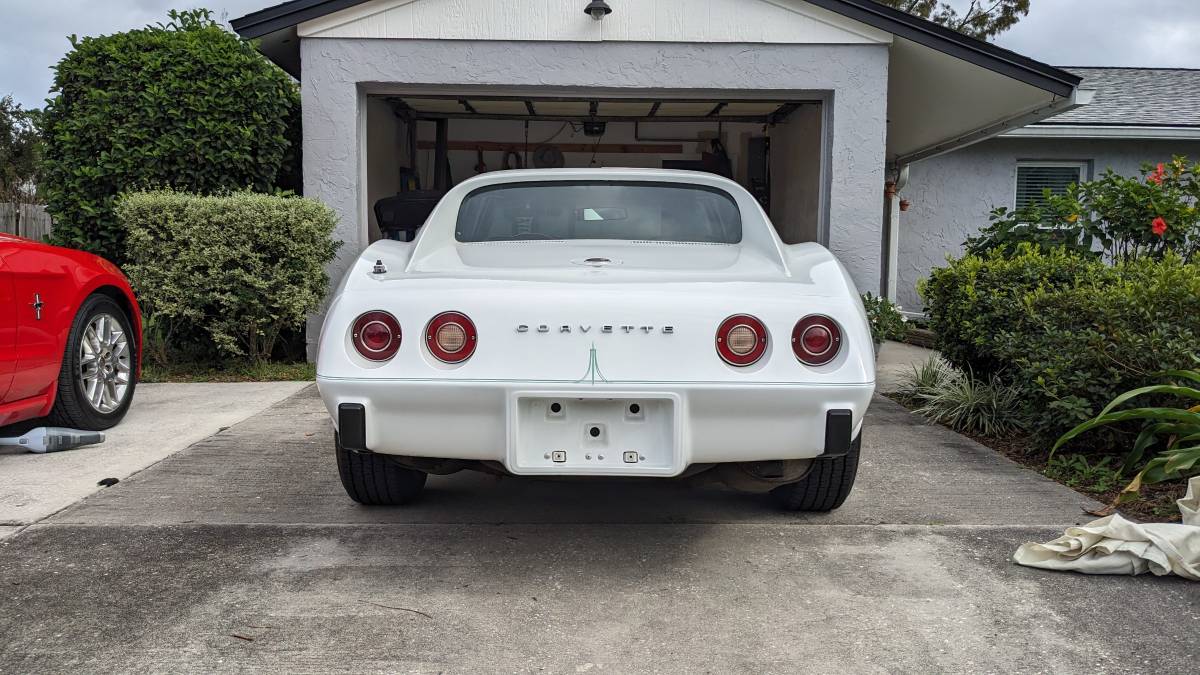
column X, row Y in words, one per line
column 1159, row 226
column 1158, row 174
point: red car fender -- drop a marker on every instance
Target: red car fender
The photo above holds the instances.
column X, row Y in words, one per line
column 113, row 277
column 60, row 279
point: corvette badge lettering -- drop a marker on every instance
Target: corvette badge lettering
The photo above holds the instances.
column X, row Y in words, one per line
column 587, row 328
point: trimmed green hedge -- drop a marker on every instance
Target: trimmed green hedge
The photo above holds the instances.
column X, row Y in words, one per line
column 1071, row 331
column 233, row 271
column 186, row 105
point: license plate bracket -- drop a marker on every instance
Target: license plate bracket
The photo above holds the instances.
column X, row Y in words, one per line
column 610, row 434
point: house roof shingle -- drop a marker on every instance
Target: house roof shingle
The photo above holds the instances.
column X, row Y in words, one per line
column 1136, row 97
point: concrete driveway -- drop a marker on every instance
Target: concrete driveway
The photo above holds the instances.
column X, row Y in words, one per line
column 164, row 419
column 242, row 553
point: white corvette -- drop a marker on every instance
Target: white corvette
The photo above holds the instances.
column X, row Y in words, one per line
column 598, row 322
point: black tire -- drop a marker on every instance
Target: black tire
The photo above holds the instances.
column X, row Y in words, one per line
column 72, row 408
column 375, row 480
column 825, row 487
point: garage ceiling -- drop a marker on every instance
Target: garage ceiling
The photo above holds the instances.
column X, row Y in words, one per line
column 605, row 110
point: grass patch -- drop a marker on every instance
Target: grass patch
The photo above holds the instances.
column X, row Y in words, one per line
column 231, row 372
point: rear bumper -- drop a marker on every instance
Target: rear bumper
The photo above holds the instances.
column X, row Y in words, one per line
column 710, row 423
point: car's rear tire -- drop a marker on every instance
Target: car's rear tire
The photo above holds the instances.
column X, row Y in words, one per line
column 99, row 368
column 375, row 480
column 826, row 485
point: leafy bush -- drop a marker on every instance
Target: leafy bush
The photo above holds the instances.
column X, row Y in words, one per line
column 1128, row 217
column 960, row 400
column 234, row 269
column 1069, row 331
column 1133, row 217
column 1055, row 223
column 1096, row 476
column 1175, row 431
column 974, row 298
column 186, row 105
column 887, row 323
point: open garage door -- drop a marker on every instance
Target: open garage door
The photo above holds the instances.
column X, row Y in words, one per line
column 420, row 144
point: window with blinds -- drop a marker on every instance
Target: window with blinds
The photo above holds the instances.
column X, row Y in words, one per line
column 1034, row 178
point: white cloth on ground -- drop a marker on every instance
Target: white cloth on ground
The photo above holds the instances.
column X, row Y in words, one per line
column 1114, row 545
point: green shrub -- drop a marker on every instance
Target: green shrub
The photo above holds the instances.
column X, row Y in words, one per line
column 1133, row 217
column 1127, row 217
column 1173, row 431
column 1052, row 224
column 235, row 270
column 1068, row 330
column 186, row 105
column 887, row 323
column 975, row 297
column 1096, row 476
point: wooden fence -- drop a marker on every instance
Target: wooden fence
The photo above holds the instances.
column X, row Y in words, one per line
column 25, row 220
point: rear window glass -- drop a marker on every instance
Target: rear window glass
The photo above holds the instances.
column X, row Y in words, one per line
column 632, row 211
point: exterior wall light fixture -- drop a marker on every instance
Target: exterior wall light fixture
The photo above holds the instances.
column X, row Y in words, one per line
column 598, row 9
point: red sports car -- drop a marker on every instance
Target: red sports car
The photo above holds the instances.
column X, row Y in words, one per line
column 70, row 336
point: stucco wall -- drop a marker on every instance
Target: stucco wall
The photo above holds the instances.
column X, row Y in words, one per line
column 951, row 195
column 337, row 72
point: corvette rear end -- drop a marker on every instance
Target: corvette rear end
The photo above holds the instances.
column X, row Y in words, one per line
column 598, row 323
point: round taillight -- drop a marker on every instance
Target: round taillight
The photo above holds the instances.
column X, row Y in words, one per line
column 816, row 339
column 741, row 340
column 451, row 337
column 376, row 336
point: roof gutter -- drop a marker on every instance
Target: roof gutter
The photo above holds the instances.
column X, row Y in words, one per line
column 1059, row 105
column 286, row 15
column 1101, row 131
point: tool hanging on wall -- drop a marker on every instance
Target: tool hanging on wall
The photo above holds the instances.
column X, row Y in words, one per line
column 481, row 166
column 516, row 161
